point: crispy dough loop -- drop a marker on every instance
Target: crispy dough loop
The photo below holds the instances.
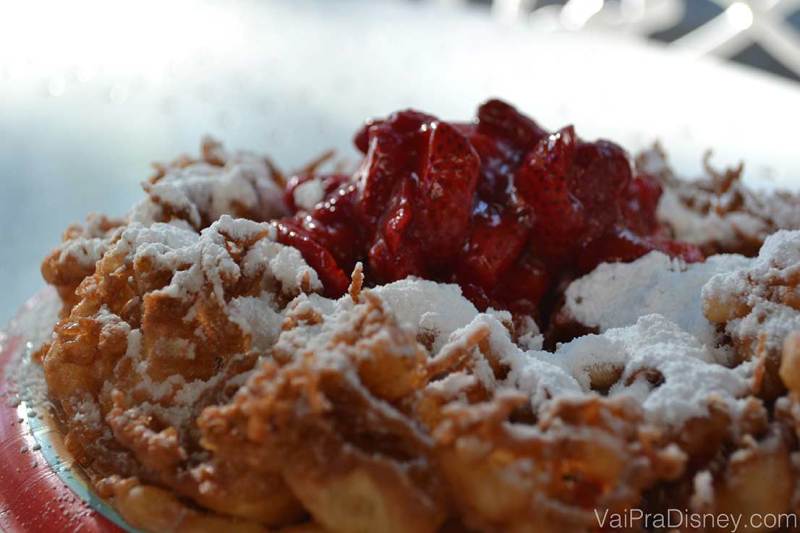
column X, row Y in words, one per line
column 355, row 461
column 152, row 342
column 720, row 198
column 589, row 454
column 215, row 392
column 757, row 310
column 75, row 258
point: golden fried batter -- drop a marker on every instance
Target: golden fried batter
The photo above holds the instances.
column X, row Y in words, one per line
column 205, row 385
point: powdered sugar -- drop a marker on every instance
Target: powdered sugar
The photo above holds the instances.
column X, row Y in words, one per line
column 656, row 346
column 667, row 370
column 717, row 211
column 200, row 268
column 86, row 251
column 617, row 294
column 258, row 317
column 542, row 381
column 200, row 192
column 762, row 295
column 82, row 247
column 285, row 263
column 779, row 256
column 686, row 382
column 308, row 194
column 710, row 227
column 200, row 260
column 435, row 308
column 193, row 259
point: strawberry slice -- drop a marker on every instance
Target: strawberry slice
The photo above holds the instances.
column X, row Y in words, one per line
column 525, row 284
column 393, row 255
column 601, row 175
column 500, row 120
column 543, row 182
column 640, row 204
column 444, row 195
column 320, row 259
column 393, row 149
column 497, row 239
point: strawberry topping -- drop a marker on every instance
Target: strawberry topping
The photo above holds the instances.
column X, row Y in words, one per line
column 499, row 206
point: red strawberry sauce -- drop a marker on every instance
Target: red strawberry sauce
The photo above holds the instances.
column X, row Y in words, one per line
column 499, row 205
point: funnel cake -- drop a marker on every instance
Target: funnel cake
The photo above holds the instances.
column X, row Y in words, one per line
column 485, row 327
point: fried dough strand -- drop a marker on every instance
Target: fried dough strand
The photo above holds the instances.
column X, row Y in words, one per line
column 204, row 386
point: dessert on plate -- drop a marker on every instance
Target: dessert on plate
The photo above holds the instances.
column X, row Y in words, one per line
column 487, row 326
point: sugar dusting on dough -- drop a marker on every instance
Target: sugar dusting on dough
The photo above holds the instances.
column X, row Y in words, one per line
column 200, row 192
column 436, row 308
column 764, row 290
column 617, row 294
column 654, row 344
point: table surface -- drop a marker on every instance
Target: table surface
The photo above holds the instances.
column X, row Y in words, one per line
column 85, row 109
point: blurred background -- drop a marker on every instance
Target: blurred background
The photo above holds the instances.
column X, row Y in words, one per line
column 92, row 91
column 763, row 34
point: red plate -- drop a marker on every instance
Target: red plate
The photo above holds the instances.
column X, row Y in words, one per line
column 39, row 489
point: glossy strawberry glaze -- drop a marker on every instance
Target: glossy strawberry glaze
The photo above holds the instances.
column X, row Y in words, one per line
column 500, row 206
